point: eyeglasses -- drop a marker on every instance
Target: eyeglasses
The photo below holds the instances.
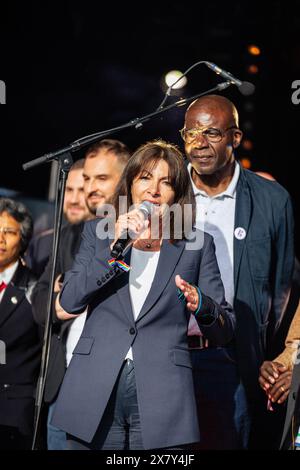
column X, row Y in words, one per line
column 211, row 134
column 10, row 232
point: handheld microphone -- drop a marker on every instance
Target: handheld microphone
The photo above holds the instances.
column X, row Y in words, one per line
column 246, row 88
column 146, row 207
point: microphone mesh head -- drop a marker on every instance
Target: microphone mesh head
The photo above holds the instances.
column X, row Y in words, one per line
column 147, row 208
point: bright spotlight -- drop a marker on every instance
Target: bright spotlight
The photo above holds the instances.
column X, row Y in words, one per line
column 253, row 49
column 171, row 78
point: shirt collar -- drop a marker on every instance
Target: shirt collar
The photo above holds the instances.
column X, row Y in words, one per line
column 230, row 191
column 9, row 273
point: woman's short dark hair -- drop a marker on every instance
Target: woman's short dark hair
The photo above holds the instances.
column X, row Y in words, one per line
column 20, row 213
column 145, row 158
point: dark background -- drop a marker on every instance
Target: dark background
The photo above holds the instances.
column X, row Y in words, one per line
column 75, row 68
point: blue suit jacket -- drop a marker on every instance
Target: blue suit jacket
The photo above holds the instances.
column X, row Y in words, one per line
column 158, row 339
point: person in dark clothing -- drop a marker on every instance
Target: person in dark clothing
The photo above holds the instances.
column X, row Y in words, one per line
column 75, row 211
column 20, row 336
column 129, row 385
column 251, row 221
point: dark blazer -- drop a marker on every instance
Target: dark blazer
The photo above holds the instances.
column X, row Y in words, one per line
column 292, row 420
column 69, row 245
column 158, row 338
column 38, row 252
column 23, row 341
column 263, row 266
column 39, row 249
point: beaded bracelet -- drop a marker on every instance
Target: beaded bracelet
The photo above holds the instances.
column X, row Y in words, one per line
column 200, row 301
column 182, row 298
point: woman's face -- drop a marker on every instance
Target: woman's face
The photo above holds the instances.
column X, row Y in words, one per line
column 153, row 185
column 10, row 240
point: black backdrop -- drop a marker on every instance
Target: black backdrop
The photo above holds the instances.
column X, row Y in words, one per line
column 75, row 68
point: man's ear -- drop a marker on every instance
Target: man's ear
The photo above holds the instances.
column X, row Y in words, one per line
column 237, row 138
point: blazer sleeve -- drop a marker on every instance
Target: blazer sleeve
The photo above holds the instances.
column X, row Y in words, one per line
column 285, row 257
column 90, row 271
column 216, row 318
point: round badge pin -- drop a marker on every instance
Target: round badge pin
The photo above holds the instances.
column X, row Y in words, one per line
column 240, row 233
column 14, row 300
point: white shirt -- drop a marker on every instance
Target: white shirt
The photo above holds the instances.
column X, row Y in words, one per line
column 143, row 268
column 74, row 334
column 7, row 275
column 216, row 216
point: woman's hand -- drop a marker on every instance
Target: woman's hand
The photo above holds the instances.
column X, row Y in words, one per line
column 190, row 293
column 132, row 222
column 58, row 284
column 61, row 313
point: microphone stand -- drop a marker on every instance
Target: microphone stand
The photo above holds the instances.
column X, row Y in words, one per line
column 137, row 123
column 64, row 158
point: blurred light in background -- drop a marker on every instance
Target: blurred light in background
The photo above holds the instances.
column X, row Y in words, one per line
column 171, row 78
column 245, row 162
column 247, row 125
column 247, row 144
column 252, row 68
column 249, row 106
column 253, row 49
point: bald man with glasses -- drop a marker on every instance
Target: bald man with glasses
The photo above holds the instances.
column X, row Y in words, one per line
column 251, row 221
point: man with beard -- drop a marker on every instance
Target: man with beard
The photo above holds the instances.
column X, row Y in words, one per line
column 103, row 166
column 251, row 221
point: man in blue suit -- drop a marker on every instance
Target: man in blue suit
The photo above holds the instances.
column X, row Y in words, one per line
column 130, row 384
column 251, row 221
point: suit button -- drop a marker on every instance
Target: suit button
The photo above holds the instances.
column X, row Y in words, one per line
column 103, row 278
column 99, row 282
column 107, row 275
column 132, row 331
column 58, row 337
column 111, row 272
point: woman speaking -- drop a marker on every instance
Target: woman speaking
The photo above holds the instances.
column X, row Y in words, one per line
column 129, row 384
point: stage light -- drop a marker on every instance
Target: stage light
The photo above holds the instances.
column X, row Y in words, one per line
column 171, row 78
column 247, row 144
column 245, row 162
column 252, row 69
column 247, row 125
column 253, row 49
column 249, row 106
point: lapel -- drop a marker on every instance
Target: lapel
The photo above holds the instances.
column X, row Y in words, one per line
column 169, row 256
column 13, row 294
column 168, row 259
column 123, row 290
column 243, row 210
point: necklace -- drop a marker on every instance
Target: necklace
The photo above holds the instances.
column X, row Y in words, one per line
column 147, row 244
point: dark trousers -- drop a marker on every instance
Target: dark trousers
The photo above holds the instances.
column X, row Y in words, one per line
column 222, row 408
column 120, row 427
